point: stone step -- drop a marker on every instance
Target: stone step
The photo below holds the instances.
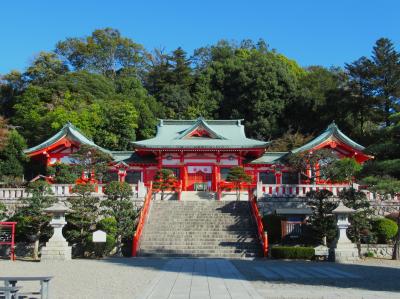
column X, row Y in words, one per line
column 197, row 244
column 197, row 235
column 199, row 255
column 199, row 229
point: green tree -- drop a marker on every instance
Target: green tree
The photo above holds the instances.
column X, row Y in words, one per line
column 63, row 173
column 83, row 218
column 12, row 157
column 89, row 159
column 105, row 51
column 344, row 170
column 118, row 128
column 317, row 88
column 289, row 141
column 388, row 188
column 386, row 76
column 322, row 220
column 306, row 163
column 3, row 211
column 360, row 221
column 361, row 101
column 45, row 67
column 30, row 217
column 238, row 176
column 164, row 180
column 251, row 84
column 119, row 205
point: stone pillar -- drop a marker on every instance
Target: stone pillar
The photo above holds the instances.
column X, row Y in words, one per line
column 141, row 190
column 259, row 193
column 57, row 247
column 343, row 249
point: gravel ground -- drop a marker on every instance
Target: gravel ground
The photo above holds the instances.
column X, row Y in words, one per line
column 81, row 278
column 125, row 278
column 377, row 278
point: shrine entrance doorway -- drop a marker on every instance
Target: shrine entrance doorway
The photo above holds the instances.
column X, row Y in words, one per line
column 199, row 178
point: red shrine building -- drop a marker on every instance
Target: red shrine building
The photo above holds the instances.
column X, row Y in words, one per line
column 200, row 153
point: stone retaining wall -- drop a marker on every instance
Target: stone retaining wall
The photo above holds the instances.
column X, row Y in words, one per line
column 379, row 250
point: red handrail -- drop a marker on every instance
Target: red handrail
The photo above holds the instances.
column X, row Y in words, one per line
column 262, row 235
column 142, row 219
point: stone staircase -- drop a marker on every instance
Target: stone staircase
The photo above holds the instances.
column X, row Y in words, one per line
column 200, row 228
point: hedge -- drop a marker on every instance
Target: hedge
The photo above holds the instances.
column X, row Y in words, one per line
column 385, row 229
column 289, row 252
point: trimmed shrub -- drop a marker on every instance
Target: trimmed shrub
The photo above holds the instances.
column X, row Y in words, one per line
column 109, row 225
column 295, row 252
column 385, row 229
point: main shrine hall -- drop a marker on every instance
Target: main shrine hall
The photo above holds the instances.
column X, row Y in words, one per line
column 200, row 153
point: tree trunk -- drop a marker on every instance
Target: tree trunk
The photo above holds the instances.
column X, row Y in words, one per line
column 324, row 240
column 396, row 247
column 119, row 246
column 162, row 194
column 36, row 247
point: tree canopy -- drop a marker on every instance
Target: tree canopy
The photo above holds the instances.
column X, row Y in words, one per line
column 114, row 90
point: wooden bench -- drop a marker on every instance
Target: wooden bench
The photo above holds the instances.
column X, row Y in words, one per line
column 11, row 281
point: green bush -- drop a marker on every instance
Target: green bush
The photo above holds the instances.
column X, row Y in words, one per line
column 101, row 249
column 385, row 229
column 288, row 252
column 369, row 254
column 109, row 225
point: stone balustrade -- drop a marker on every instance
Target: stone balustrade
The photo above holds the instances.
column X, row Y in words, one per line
column 64, row 190
column 299, row 190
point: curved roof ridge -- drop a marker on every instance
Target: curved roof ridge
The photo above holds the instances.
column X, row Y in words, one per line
column 67, row 129
column 331, row 130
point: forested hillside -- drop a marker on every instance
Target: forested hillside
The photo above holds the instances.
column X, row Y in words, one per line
column 114, row 90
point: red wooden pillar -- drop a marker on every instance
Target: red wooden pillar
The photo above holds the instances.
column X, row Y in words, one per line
column 278, row 176
column 216, row 177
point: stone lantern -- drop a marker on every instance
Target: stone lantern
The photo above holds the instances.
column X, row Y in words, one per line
column 57, row 247
column 344, row 250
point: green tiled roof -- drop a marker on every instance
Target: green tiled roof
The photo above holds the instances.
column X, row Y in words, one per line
column 131, row 157
column 331, row 131
column 224, row 133
column 269, row 158
column 70, row 131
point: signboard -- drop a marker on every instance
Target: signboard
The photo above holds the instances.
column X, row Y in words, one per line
column 7, row 236
column 99, row 236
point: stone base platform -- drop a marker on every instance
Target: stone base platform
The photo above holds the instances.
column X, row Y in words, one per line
column 56, row 251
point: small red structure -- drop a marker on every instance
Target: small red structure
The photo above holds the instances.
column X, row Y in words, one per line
column 7, row 236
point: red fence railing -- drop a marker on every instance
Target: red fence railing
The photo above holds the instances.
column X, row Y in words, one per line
column 262, row 235
column 142, row 219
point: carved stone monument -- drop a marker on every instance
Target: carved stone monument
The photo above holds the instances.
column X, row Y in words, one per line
column 57, row 247
column 343, row 249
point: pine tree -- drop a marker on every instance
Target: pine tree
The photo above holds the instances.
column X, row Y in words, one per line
column 164, row 180
column 322, row 221
column 386, row 76
column 237, row 175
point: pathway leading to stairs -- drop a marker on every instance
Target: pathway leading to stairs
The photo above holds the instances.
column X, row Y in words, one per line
column 200, row 279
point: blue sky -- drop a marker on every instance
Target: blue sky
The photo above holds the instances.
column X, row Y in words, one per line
column 311, row 32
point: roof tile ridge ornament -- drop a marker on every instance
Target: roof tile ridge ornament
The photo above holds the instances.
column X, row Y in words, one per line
column 200, row 121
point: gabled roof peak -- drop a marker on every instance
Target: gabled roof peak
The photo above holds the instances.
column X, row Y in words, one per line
column 332, row 131
column 198, row 125
column 67, row 131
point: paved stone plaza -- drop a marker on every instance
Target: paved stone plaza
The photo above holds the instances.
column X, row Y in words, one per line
column 212, row 278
